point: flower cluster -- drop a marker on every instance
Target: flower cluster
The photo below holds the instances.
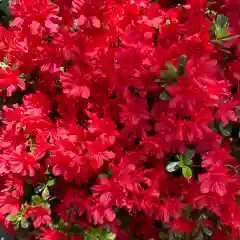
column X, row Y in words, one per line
column 120, row 119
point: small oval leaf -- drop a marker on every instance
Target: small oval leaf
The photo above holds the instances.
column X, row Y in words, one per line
column 187, row 172
column 207, row 231
column 45, row 194
column 110, row 236
column 12, row 218
column 165, row 96
column 24, row 223
column 189, row 154
column 221, row 32
column 173, row 166
column 36, row 199
column 51, row 182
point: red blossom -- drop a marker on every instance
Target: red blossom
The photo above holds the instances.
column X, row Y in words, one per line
column 40, row 215
column 52, row 234
column 23, row 164
column 10, row 80
column 73, row 205
column 9, row 204
column 99, row 129
column 215, row 180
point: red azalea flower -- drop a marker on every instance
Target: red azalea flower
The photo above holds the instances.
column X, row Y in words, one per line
column 23, row 164
column 39, row 214
column 9, row 204
column 52, row 234
column 88, row 115
column 215, row 180
column 10, row 80
column 74, row 204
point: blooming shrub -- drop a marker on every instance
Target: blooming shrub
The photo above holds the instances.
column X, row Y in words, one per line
column 120, row 120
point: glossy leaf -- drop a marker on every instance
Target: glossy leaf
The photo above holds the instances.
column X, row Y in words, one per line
column 186, row 172
column 165, row 96
column 45, row 193
column 173, row 166
column 24, row 223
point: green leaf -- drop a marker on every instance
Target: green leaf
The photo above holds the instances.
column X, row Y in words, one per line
column 221, row 26
column 180, row 158
column 170, row 67
column 221, row 32
column 3, row 65
column 165, row 96
column 109, row 172
column 217, row 42
column 212, row 30
column 14, row 67
column 99, row 233
column 62, row 224
column 225, row 130
column 12, row 218
column 168, row 22
column 21, row 75
column 51, row 182
column 110, row 236
column 48, row 171
column 182, row 65
column 45, row 193
column 231, row 37
column 188, row 155
column 36, row 199
column 207, row 231
column 171, row 73
column 173, row 166
column 222, row 21
column 47, row 205
column 24, row 223
column 188, row 162
column 5, row 60
column 39, row 189
column 103, row 175
column 186, row 172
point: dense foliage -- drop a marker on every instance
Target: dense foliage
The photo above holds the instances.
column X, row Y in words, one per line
column 120, row 119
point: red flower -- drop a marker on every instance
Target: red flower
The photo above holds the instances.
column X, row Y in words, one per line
column 226, row 113
column 72, row 88
column 101, row 214
column 131, row 113
column 9, row 204
column 23, row 164
column 217, row 158
column 215, row 180
column 74, row 204
column 88, row 115
column 10, row 80
column 197, row 4
column 52, row 234
column 98, row 153
column 35, row 14
column 14, row 185
column 39, row 214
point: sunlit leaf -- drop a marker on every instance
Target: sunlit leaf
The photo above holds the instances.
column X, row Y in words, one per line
column 187, row 172
column 173, row 166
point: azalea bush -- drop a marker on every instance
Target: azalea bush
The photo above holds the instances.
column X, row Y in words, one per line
column 120, row 119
